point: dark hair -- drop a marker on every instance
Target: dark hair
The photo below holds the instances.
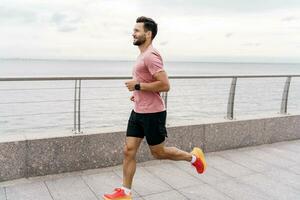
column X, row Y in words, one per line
column 149, row 25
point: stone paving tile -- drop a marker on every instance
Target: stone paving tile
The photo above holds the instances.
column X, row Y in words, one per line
column 170, row 195
column 270, row 158
column 271, row 187
column 289, row 146
column 32, row 191
column 21, row 181
column 283, row 153
column 241, row 191
column 228, row 167
column 284, row 176
column 203, row 191
column 145, row 183
column 104, row 182
column 245, row 160
column 172, row 175
column 295, row 169
column 151, row 163
column 2, row 194
column 71, row 188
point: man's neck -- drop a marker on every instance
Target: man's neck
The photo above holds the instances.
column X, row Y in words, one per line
column 144, row 46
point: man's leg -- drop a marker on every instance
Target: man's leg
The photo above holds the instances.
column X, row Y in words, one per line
column 156, row 132
column 172, row 153
column 196, row 157
column 131, row 147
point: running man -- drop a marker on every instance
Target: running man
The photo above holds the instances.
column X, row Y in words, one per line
column 148, row 117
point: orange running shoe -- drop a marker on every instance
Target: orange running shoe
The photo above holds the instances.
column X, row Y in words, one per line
column 200, row 163
column 119, row 194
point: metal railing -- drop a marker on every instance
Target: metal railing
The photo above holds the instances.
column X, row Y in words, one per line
column 231, row 96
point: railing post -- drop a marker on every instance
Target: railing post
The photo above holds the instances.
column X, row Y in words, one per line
column 75, row 100
column 164, row 95
column 77, row 107
column 285, row 95
column 230, row 105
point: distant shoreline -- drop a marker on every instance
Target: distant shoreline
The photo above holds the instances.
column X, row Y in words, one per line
column 168, row 61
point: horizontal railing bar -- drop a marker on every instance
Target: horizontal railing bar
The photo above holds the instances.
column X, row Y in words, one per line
column 36, row 114
column 103, row 87
column 63, row 78
column 39, row 127
column 29, row 102
column 51, row 101
column 231, row 76
column 51, row 113
column 94, row 99
column 31, row 89
column 25, row 89
column 129, row 77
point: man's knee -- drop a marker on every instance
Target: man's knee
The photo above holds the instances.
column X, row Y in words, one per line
column 129, row 151
column 158, row 153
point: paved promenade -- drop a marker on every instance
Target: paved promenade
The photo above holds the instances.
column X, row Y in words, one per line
column 262, row 172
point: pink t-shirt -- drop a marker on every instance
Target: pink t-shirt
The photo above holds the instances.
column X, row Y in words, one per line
column 148, row 63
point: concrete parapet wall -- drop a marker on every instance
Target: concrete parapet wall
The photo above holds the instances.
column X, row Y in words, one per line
column 36, row 157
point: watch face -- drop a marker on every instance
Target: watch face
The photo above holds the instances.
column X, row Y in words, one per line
column 137, row 87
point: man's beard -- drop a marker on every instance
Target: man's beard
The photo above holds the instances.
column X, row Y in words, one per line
column 139, row 41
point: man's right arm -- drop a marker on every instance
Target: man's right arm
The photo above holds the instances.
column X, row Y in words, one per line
column 161, row 83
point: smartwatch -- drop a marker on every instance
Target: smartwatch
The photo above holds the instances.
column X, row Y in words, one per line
column 137, row 86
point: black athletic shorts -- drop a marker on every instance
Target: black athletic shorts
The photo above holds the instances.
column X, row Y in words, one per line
column 149, row 125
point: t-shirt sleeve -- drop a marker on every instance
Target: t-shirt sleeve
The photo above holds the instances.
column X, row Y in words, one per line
column 154, row 63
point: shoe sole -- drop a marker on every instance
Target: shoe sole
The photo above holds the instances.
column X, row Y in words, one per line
column 126, row 198
column 199, row 153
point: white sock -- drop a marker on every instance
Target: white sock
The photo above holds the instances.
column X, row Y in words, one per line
column 194, row 158
column 126, row 190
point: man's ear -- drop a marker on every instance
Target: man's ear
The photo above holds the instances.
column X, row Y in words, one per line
column 149, row 34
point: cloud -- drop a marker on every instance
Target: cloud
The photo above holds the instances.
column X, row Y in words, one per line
column 251, row 44
column 58, row 18
column 10, row 15
column 290, row 18
column 193, row 7
column 164, row 43
column 67, row 28
column 228, row 35
column 65, row 22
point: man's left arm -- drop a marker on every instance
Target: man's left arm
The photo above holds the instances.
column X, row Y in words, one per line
column 161, row 83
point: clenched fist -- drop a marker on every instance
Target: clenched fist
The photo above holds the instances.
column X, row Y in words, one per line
column 130, row 84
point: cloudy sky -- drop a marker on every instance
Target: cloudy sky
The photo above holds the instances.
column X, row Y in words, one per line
column 189, row 30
